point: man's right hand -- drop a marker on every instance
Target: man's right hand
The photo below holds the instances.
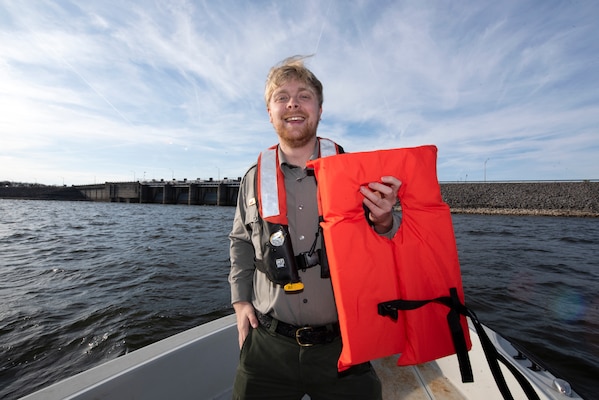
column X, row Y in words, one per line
column 246, row 317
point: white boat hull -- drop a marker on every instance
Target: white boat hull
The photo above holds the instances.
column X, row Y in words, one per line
column 200, row 364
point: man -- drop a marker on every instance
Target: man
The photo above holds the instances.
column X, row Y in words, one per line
column 290, row 341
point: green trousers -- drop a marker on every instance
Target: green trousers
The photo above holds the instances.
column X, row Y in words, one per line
column 272, row 366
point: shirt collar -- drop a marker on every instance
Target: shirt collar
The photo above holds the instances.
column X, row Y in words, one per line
column 283, row 160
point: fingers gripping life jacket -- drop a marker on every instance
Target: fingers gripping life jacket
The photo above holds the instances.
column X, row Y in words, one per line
column 279, row 262
column 420, row 263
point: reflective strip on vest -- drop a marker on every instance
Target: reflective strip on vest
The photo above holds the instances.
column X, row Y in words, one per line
column 327, row 147
column 271, row 190
column 419, row 262
column 269, row 199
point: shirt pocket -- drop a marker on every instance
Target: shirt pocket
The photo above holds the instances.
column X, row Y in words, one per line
column 253, row 222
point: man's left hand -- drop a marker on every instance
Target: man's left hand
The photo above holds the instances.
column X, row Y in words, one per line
column 380, row 197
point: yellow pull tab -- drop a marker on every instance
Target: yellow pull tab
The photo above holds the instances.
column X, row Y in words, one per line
column 294, row 287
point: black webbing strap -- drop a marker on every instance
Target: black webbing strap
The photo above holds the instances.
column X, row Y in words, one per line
column 493, row 357
column 391, row 309
column 456, row 308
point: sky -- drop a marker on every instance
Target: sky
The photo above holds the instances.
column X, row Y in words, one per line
column 105, row 91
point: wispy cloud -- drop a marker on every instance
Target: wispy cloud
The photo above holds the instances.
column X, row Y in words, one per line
column 107, row 90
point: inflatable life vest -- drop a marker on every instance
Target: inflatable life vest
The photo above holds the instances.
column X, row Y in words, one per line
column 370, row 272
column 270, row 181
column 279, row 263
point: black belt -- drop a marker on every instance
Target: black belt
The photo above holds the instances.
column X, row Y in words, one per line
column 304, row 335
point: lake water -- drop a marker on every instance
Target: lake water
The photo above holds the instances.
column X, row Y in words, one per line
column 82, row 283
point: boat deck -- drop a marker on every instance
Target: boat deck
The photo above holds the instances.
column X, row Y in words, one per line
column 420, row 382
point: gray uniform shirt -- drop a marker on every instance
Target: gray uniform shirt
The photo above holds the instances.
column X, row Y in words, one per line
column 315, row 305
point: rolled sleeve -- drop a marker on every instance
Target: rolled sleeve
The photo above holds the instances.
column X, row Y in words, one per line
column 241, row 249
column 396, row 221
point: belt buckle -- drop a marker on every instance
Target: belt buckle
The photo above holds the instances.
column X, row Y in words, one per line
column 298, row 334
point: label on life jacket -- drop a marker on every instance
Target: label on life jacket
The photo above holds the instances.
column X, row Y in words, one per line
column 419, row 263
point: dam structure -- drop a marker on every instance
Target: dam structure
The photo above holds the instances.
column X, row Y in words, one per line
column 556, row 198
column 566, row 198
column 199, row 192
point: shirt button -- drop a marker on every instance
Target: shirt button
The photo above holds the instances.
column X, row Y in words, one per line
column 302, row 237
column 300, row 207
column 305, row 301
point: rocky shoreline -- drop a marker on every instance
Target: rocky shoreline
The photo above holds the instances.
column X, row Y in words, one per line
column 571, row 199
column 514, row 211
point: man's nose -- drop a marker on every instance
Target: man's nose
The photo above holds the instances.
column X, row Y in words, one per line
column 292, row 103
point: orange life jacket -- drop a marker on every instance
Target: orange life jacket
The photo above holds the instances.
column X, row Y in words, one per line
column 367, row 270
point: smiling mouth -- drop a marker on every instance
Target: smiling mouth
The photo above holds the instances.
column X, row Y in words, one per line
column 295, row 118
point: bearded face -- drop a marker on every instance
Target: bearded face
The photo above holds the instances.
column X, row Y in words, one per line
column 294, row 113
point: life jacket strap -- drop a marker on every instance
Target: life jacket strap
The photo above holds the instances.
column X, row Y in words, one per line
column 456, row 308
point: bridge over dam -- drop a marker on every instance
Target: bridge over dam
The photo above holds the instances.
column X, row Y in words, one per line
column 208, row 192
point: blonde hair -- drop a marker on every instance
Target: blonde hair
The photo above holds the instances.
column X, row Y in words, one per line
column 291, row 68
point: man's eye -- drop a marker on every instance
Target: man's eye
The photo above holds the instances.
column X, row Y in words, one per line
column 281, row 98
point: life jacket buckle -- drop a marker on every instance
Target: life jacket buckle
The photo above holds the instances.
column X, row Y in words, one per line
column 298, row 336
column 307, row 259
